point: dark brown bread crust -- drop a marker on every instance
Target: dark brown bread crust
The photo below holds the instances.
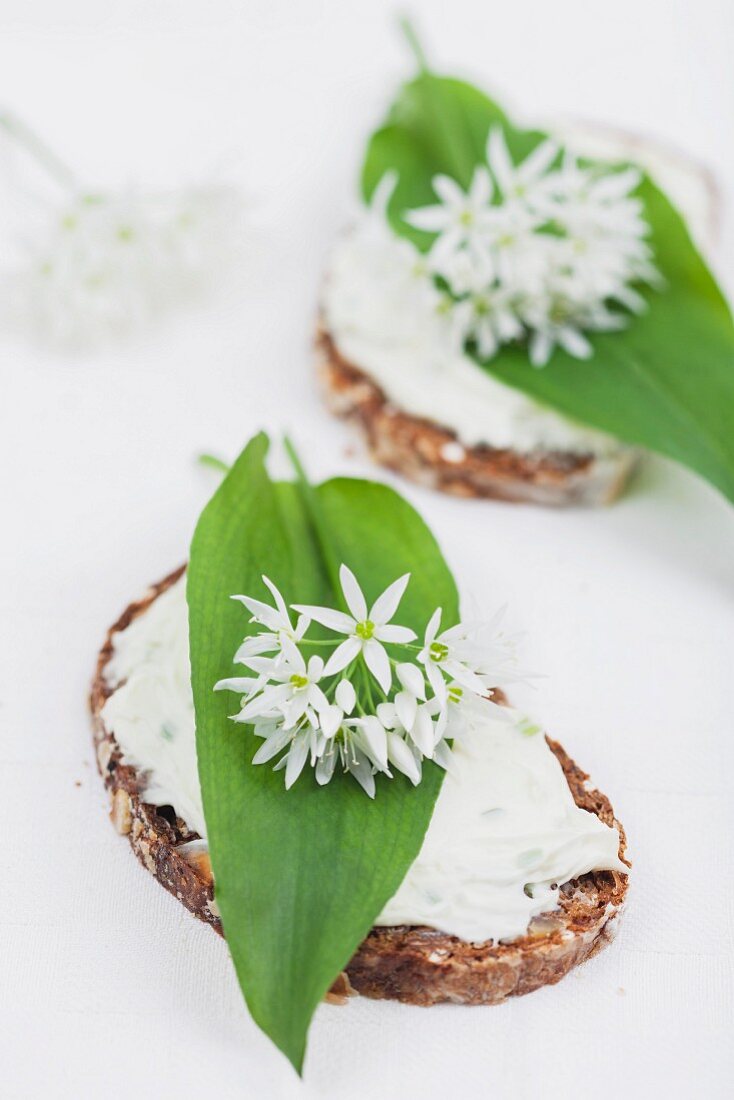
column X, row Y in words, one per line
column 412, row 964
column 417, row 448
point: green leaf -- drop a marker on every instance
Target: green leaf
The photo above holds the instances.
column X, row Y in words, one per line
column 667, row 381
column 300, row 875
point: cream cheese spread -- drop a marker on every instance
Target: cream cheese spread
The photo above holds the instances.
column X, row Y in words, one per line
column 384, row 322
column 504, row 835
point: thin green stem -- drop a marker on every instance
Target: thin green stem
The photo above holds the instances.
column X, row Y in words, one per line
column 449, row 121
column 414, row 43
column 368, row 687
column 318, row 521
column 214, row 463
column 16, row 129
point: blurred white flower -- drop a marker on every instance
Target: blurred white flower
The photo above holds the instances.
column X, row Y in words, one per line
column 460, row 219
column 537, row 252
column 98, row 266
column 105, row 266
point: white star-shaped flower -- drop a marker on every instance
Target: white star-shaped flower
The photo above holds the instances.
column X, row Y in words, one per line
column 276, row 619
column 366, row 630
column 461, row 218
column 527, row 183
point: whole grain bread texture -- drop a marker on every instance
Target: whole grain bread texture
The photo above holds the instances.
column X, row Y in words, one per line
column 431, row 455
column 416, row 965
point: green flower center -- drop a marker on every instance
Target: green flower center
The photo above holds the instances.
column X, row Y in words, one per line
column 299, row 681
column 438, row 651
column 559, row 312
column 466, row 218
column 365, row 630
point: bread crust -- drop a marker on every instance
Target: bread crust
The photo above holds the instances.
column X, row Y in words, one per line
column 431, row 455
column 415, row 965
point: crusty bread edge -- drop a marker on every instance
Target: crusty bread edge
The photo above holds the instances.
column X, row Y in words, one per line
column 417, row 448
column 415, row 965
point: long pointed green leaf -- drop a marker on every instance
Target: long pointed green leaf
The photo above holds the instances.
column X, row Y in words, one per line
column 300, row 874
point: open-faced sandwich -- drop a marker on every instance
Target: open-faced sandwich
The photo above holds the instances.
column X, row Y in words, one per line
column 359, row 808
column 517, row 315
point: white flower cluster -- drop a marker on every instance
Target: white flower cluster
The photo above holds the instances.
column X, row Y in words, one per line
column 378, row 699
column 104, row 266
column 534, row 252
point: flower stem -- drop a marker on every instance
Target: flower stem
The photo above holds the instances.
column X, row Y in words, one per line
column 315, row 514
column 414, row 42
column 214, row 462
column 32, row 143
column 451, row 123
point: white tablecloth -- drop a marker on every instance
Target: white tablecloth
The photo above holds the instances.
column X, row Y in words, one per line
column 108, row 987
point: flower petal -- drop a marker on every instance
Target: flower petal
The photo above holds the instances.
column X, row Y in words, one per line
column 296, row 759
column 343, row 655
column 388, row 715
column 327, row 616
column 574, row 343
column 383, row 193
column 465, row 676
column 315, row 668
column 353, row 594
column 316, row 698
column 378, row 662
column 346, row 696
column 431, row 219
column 386, row 605
column 325, row 767
column 292, row 654
column 331, row 718
column 411, row 677
column 498, row 159
column 395, row 634
column 255, row 645
column 480, row 190
column 538, row 162
column 263, row 613
column 375, row 738
column 423, row 733
column 407, row 709
column 272, row 746
column 242, row 684
column 443, row 756
column 402, row 758
column 432, row 629
column 279, row 601
column 262, row 704
column 436, row 681
column 359, row 766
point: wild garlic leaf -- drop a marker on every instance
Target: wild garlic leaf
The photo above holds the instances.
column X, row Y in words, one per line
column 301, row 874
column 666, row 381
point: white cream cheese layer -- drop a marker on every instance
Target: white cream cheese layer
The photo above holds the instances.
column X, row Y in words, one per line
column 505, row 831
column 151, row 713
column 383, row 322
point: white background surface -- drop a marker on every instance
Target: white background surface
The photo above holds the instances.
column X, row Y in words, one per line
column 108, row 987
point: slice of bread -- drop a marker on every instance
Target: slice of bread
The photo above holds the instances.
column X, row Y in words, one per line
column 416, row 965
column 430, row 453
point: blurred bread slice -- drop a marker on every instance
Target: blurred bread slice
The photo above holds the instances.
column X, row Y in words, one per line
column 419, row 433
